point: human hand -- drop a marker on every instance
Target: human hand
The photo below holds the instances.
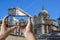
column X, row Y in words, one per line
column 28, row 27
column 4, row 32
column 27, row 30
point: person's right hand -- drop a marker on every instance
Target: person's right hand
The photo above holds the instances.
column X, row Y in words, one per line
column 27, row 30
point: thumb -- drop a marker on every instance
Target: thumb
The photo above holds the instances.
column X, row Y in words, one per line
column 29, row 25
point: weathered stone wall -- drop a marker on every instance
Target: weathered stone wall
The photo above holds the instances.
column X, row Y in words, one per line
column 11, row 37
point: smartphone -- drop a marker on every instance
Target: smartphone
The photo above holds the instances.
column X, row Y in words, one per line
column 17, row 17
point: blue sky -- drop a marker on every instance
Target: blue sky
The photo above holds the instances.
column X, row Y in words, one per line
column 31, row 6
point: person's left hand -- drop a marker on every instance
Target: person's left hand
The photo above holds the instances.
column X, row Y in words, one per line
column 4, row 32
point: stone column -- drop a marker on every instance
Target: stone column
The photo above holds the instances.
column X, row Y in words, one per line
column 43, row 31
column 47, row 28
column 51, row 28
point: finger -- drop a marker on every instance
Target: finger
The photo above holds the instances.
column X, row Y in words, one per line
column 6, row 33
column 4, row 20
column 21, row 27
column 10, row 29
column 3, row 26
column 5, row 17
column 29, row 24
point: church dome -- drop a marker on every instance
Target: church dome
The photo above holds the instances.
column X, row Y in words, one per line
column 44, row 11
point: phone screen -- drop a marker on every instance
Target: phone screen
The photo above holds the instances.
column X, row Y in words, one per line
column 17, row 20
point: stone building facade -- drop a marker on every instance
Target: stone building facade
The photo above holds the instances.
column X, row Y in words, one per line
column 43, row 24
